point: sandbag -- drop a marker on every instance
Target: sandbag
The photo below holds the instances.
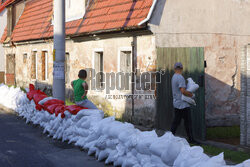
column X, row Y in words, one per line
column 189, row 156
column 50, row 102
column 41, row 102
column 74, row 109
column 161, row 143
column 59, row 109
column 145, row 140
column 216, row 161
column 38, row 97
column 31, row 87
column 172, row 150
column 103, row 154
column 157, row 161
column 52, row 107
column 191, row 87
column 90, row 112
column 30, row 94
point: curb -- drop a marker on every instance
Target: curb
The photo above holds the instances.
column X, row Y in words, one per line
column 226, row 146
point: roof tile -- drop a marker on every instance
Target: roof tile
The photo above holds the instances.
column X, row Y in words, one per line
column 35, row 22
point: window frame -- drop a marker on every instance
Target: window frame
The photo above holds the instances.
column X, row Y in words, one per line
column 36, row 67
column 46, row 64
column 96, row 50
column 124, row 49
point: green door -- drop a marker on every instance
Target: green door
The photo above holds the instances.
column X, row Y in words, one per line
column 193, row 66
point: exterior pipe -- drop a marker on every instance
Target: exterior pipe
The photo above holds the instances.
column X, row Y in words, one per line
column 59, row 50
column 134, row 67
column 149, row 14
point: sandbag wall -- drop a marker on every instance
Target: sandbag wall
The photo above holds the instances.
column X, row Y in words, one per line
column 109, row 140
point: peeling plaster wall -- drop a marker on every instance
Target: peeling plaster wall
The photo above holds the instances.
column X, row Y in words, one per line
column 80, row 57
column 222, row 32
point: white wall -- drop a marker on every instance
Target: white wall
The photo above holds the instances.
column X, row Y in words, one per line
column 75, row 9
column 3, row 22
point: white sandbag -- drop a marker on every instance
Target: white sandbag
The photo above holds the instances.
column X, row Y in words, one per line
column 116, row 128
column 172, row 150
column 190, row 156
column 216, row 161
column 157, row 161
column 143, row 159
column 112, row 143
column 113, row 156
column 90, row 112
column 188, row 100
column 145, row 140
column 92, row 150
column 119, row 161
column 98, row 127
column 103, row 154
column 101, row 142
column 121, row 149
column 191, row 85
column 41, row 102
column 124, row 136
column 161, row 143
column 129, row 161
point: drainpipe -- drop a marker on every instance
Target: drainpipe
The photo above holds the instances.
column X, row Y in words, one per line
column 134, row 67
column 59, row 50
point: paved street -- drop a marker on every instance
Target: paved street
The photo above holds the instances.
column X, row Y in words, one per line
column 23, row 145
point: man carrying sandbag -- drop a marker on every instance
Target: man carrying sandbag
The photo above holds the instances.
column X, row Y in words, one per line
column 181, row 108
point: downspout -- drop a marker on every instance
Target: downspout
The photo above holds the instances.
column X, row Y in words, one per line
column 149, row 14
column 134, row 67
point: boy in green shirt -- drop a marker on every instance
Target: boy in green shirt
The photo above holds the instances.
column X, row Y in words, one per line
column 80, row 87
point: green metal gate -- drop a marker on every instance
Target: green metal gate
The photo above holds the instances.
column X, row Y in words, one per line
column 193, row 66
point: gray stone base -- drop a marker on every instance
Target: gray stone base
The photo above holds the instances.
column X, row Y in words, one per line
column 227, row 120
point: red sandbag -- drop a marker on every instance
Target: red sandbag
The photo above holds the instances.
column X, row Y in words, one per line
column 39, row 107
column 59, row 109
column 52, row 101
column 74, row 109
column 31, row 87
column 52, row 107
column 30, row 94
column 63, row 115
column 38, row 97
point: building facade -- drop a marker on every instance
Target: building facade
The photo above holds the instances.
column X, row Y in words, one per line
column 3, row 23
column 104, row 35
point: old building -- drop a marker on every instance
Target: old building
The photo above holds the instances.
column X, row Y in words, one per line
column 149, row 35
column 3, row 22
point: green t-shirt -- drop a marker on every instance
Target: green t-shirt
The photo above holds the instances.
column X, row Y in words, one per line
column 79, row 90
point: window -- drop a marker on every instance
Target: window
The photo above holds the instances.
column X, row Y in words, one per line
column 126, row 67
column 98, row 65
column 44, row 65
column 34, row 65
column 25, row 55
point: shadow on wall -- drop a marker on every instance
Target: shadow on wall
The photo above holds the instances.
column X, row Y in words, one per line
column 157, row 14
column 222, row 103
column 217, row 104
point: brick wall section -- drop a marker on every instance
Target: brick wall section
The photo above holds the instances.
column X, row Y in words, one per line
column 245, row 97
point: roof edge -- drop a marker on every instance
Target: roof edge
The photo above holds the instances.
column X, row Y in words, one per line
column 149, row 14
